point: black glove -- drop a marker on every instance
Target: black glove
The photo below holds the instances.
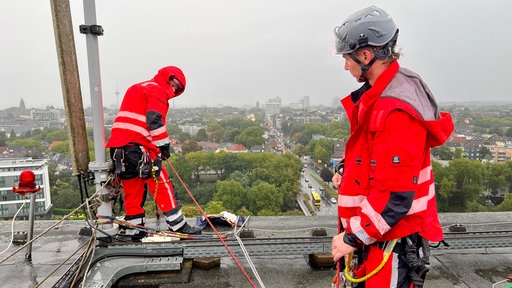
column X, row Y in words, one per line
column 165, row 151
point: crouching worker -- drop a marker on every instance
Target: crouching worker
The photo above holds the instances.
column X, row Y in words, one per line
column 139, row 144
column 386, row 197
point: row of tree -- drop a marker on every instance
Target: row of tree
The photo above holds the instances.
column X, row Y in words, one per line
column 461, row 185
column 244, row 183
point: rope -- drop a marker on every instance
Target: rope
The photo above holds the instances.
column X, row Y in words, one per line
column 337, row 277
column 154, row 231
column 92, row 239
column 246, row 254
column 387, row 252
column 211, row 225
column 60, row 265
column 51, row 227
column 12, row 228
column 90, row 260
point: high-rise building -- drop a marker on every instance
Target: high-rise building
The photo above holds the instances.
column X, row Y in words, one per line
column 10, row 202
column 305, row 102
column 272, row 108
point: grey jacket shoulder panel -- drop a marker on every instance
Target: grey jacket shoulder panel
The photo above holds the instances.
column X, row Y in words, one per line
column 408, row 86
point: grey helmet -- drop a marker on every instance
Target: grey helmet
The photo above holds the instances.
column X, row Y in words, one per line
column 370, row 26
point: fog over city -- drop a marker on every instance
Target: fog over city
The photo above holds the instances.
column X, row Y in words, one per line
column 241, row 53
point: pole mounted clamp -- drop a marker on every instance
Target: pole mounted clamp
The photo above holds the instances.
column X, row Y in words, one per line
column 91, row 29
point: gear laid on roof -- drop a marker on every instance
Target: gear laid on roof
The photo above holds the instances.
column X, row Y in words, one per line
column 224, row 218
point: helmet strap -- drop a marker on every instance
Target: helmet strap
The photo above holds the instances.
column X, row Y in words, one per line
column 364, row 68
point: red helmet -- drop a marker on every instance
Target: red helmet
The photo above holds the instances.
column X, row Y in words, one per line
column 27, row 183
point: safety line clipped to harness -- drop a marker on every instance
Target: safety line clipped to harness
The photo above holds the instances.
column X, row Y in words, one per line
column 387, row 252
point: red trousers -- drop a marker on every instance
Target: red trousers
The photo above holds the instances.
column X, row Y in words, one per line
column 163, row 194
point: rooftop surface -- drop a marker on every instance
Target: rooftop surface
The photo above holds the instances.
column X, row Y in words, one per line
column 487, row 266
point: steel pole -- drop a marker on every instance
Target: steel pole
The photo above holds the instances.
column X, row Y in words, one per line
column 99, row 166
column 30, row 233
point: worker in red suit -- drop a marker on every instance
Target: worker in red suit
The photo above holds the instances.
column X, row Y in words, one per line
column 386, row 195
column 139, row 142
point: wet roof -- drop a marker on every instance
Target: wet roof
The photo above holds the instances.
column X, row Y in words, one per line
column 470, row 267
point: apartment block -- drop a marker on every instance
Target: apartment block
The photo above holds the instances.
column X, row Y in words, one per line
column 10, row 202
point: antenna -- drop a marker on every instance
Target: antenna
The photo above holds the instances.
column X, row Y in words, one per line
column 117, row 96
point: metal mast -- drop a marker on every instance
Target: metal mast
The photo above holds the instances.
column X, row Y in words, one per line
column 100, row 166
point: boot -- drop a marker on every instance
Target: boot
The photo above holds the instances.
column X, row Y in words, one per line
column 135, row 235
column 187, row 229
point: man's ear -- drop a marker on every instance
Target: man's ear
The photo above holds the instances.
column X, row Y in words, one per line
column 367, row 56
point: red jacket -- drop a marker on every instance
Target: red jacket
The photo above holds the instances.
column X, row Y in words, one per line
column 387, row 189
column 142, row 114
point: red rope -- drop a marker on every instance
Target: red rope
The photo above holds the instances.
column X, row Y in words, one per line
column 211, row 225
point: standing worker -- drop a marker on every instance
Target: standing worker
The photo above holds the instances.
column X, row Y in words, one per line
column 387, row 201
column 138, row 144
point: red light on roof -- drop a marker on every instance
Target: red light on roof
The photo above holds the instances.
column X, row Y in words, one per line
column 27, row 183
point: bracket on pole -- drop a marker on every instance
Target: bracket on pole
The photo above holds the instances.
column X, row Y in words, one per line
column 92, row 29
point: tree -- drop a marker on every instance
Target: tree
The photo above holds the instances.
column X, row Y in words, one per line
column 204, row 193
column 321, row 149
column 283, row 169
column 508, row 175
column 326, row 174
column 201, row 135
column 57, row 135
column 468, row 177
column 337, row 129
column 506, row 205
column 28, row 144
column 197, row 164
column 300, row 150
column 443, row 153
column 458, row 154
column 250, row 137
column 496, row 131
column 216, row 136
column 63, row 189
column 190, row 146
column 241, row 177
column 231, row 134
column 183, row 169
column 508, row 132
column 496, row 181
column 173, row 130
column 322, row 155
column 223, row 163
column 263, row 198
column 214, row 207
column 484, row 151
column 230, row 193
column 183, row 136
column 3, row 139
column 216, row 133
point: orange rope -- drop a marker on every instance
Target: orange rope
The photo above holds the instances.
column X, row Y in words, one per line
column 211, row 225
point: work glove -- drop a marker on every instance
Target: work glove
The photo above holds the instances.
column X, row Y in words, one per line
column 165, row 151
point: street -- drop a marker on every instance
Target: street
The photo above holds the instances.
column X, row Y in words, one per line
column 309, row 179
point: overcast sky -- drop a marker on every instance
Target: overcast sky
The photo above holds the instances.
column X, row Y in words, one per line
column 240, row 52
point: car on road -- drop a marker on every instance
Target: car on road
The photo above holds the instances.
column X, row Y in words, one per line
column 306, row 179
column 310, row 185
column 333, row 200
